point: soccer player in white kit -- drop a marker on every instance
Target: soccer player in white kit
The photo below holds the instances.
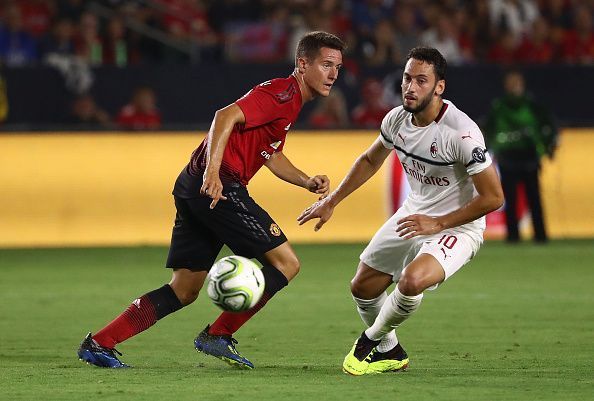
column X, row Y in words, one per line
column 438, row 229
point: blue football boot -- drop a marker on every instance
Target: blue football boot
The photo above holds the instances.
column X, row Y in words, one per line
column 94, row 354
column 222, row 347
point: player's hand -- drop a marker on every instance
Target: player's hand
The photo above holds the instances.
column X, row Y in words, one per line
column 322, row 210
column 418, row 224
column 319, row 184
column 212, row 187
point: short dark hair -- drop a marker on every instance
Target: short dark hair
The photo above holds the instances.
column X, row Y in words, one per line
column 431, row 56
column 310, row 44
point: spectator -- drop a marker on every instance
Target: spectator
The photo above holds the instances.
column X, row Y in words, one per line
column 115, row 48
column 17, row 47
column 504, row 50
column 557, row 13
column 37, row 16
column 85, row 114
column 513, row 16
column 61, row 39
column 443, row 37
column 263, row 41
column 366, row 14
column 331, row 112
column 578, row 43
column 482, row 31
column 372, row 110
column 407, row 36
column 187, row 20
column 537, row 47
column 141, row 113
column 88, row 43
column 339, row 21
column 520, row 132
column 381, row 48
column 464, row 31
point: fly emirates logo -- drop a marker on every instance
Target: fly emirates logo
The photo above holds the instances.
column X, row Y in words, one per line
column 274, row 146
column 417, row 171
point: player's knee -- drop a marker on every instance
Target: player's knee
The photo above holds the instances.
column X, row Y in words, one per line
column 292, row 265
column 186, row 297
column 411, row 284
column 359, row 290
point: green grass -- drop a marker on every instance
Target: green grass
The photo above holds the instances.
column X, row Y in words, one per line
column 517, row 323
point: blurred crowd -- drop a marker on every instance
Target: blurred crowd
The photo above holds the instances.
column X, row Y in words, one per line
column 76, row 35
column 378, row 32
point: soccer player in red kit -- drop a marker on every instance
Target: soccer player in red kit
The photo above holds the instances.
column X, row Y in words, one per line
column 214, row 207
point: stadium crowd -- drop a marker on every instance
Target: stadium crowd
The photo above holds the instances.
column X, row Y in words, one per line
column 379, row 32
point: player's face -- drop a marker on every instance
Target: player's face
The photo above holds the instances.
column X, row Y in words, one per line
column 419, row 85
column 321, row 73
column 514, row 84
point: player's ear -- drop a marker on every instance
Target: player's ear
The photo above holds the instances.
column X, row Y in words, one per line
column 440, row 87
column 301, row 65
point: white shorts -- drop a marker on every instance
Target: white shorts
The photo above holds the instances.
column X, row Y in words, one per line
column 389, row 253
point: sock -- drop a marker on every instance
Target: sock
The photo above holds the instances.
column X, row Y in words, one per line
column 368, row 310
column 397, row 308
column 140, row 315
column 229, row 322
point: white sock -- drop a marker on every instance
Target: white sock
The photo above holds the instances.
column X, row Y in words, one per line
column 395, row 310
column 368, row 310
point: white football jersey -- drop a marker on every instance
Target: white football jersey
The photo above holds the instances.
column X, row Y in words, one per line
column 438, row 160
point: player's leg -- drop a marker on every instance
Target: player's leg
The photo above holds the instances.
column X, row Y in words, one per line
column 368, row 289
column 248, row 231
column 381, row 263
column 423, row 272
column 509, row 183
column 280, row 265
column 533, row 195
column 192, row 251
column 147, row 309
column 439, row 258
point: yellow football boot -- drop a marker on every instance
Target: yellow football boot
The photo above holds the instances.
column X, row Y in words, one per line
column 357, row 360
column 393, row 360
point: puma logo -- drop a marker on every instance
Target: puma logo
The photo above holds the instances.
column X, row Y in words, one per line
column 402, row 138
column 445, row 255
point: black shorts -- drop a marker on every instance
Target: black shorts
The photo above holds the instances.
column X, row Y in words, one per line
column 238, row 222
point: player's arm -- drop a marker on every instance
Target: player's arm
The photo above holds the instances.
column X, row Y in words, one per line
column 218, row 136
column 489, row 198
column 362, row 170
column 282, row 167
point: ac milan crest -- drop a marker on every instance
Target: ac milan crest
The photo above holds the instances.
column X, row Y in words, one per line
column 433, row 149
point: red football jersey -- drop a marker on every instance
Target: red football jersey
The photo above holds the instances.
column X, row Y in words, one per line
column 270, row 109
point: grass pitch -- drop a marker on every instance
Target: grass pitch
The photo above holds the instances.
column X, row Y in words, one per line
column 517, row 323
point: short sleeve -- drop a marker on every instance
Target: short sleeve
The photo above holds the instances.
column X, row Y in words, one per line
column 390, row 124
column 259, row 107
column 471, row 150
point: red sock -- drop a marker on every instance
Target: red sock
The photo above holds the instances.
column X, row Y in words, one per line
column 138, row 317
column 229, row 322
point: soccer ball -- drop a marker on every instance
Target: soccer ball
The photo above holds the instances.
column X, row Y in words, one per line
column 235, row 283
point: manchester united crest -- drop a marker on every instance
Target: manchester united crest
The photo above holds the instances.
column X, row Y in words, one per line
column 275, row 229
